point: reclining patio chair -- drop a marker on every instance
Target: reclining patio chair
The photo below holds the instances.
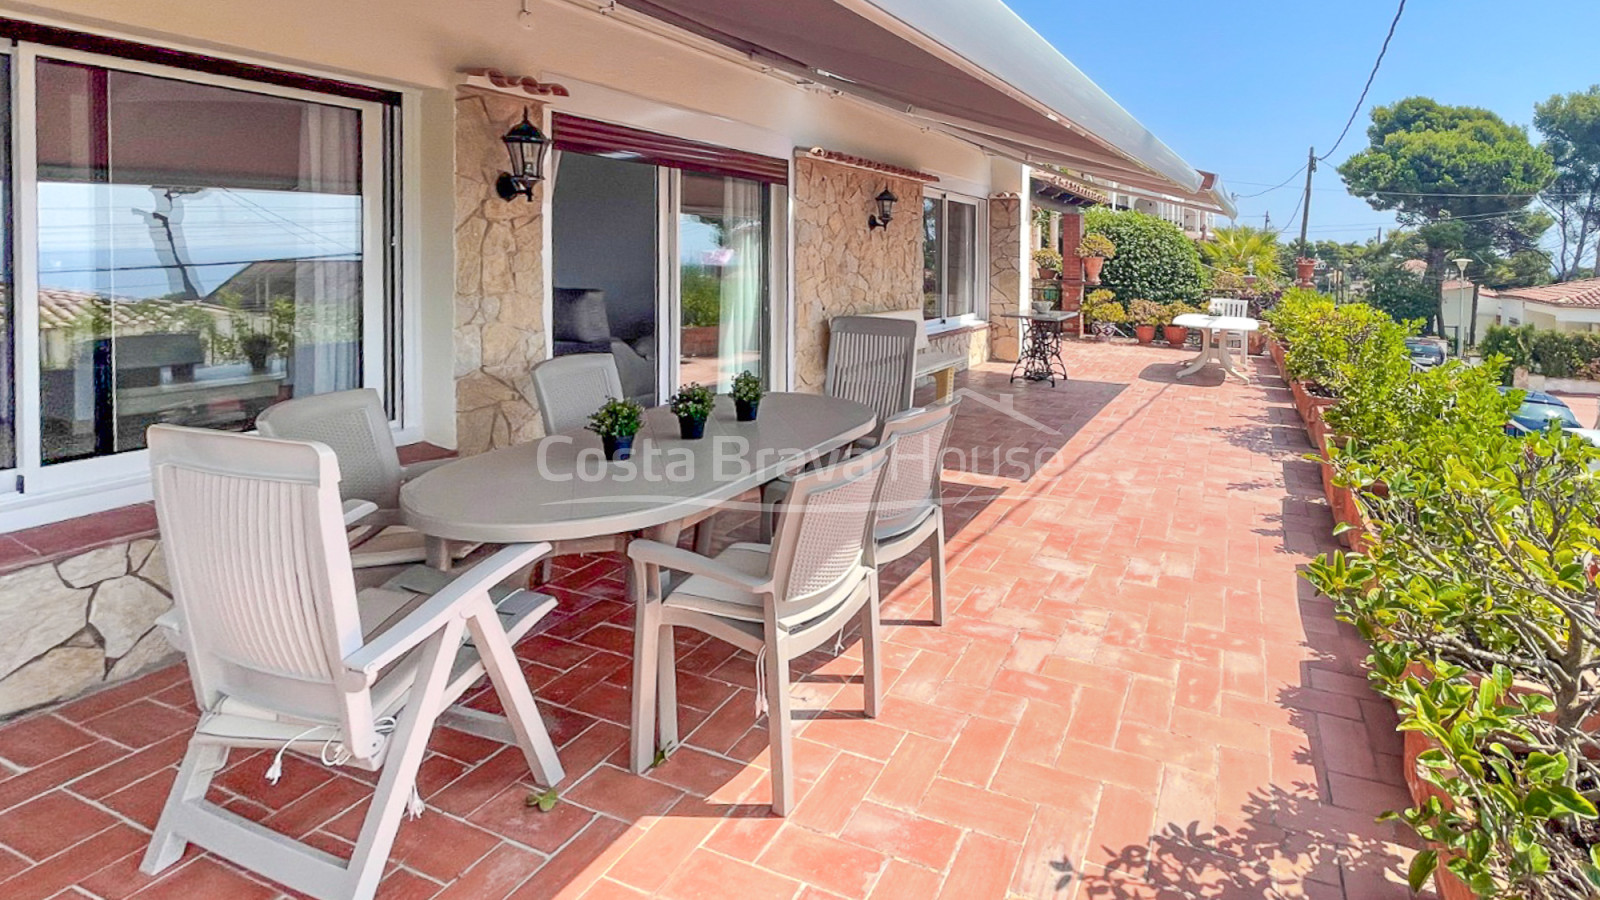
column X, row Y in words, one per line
column 1232, row 340
column 354, row 425
column 872, row 360
column 284, row 655
column 777, row 600
column 910, row 511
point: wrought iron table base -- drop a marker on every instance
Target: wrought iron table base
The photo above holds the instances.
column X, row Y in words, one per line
column 1040, row 356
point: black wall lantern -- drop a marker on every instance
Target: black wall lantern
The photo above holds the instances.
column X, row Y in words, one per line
column 885, row 202
column 526, row 144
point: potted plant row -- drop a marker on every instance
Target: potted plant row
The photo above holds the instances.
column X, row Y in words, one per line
column 617, row 422
column 1475, row 582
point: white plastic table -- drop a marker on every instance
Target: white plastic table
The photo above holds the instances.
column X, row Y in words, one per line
column 561, row 488
column 1214, row 351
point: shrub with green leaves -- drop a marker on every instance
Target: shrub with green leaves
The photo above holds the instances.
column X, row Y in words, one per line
column 1557, row 354
column 747, row 387
column 616, row 418
column 1154, row 258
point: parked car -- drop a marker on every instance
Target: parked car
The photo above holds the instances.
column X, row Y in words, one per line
column 1540, row 412
column 1425, row 353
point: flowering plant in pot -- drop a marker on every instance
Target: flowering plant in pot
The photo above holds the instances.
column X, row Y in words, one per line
column 1103, row 313
column 617, row 421
column 692, row 404
column 257, row 347
column 1094, row 250
column 1177, row 335
column 1145, row 316
column 1048, row 262
column 747, row 394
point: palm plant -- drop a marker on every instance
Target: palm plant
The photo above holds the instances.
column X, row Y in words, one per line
column 1235, row 249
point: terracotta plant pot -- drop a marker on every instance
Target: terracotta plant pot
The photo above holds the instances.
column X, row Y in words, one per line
column 1305, row 270
column 1177, row 336
column 1255, row 343
column 1091, row 268
column 1048, row 274
column 1145, row 333
column 1275, row 347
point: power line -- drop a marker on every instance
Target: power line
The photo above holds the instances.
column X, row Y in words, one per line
column 1374, row 74
column 1282, row 184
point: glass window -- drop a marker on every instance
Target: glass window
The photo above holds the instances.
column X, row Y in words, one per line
column 949, row 257
column 722, row 264
column 200, row 255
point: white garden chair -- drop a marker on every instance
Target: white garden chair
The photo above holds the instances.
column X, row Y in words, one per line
column 873, row 360
column 910, row 513
column 570, row 388
column 354, row 425
column 777, row 600
column 285, row 655
column 1237, row 308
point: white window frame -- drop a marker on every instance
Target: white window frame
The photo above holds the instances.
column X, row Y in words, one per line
column 50, row 493
column 980, row 261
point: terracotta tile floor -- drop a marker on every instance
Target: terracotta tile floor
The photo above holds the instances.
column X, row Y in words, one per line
column 1134, row 697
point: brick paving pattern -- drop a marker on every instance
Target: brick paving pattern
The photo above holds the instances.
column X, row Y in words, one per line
column 1134, row 697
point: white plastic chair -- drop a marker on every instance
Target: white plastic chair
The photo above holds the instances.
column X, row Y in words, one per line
column 284, row 655
column 570, row 388
column 777, row 600
column 872, row 360
column 910, row 513
column 1234, row 308
column 354, row 425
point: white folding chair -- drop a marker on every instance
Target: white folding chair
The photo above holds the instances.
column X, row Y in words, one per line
column 872, row 360
column 570, row 388
column 354, row 425
column 777, row 600
column 1232, row 340
column 285, row 655
column 910, row 513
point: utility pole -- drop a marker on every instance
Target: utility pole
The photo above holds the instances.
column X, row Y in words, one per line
column 1266, row 224
column 1305, row 213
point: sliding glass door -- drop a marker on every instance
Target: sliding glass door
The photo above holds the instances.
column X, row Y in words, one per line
column 723, row 238
column 667, row 269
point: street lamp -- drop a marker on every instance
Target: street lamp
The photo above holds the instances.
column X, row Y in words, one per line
column 1471, row 318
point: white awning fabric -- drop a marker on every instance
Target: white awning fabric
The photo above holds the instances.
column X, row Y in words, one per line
column 970, row 68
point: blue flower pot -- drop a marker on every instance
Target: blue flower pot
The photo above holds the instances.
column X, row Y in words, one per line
column 745, row 410
column 616, row 446
column 691, row 429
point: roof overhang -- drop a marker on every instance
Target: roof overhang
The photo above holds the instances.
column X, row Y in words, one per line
column 970, row 68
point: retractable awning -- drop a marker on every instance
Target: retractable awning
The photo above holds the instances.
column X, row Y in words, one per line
column 971, row 68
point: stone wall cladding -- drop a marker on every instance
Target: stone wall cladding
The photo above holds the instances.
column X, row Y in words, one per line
column 499, row 296
column 841, row 268
column 80, row 622
column 1007, row 280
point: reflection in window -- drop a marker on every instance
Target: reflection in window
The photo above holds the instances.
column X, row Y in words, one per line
column 949, row 257
column 722, row 247
column 200, row 255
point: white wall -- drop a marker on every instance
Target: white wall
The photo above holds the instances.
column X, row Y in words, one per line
column 615, row 70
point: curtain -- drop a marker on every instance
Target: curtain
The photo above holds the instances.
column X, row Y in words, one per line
column 327, row 319
column 743, row 278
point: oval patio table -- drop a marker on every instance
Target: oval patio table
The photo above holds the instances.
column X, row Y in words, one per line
column 561, row 488
column 1212, row 349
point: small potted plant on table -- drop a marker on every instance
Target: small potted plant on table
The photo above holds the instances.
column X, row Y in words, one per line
column 747, row 394
column 1145, row 316
column 1048, row 262
column 617, row 422
column 692, row 404
column 1094, row 250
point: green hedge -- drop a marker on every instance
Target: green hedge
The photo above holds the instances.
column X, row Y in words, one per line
column 1155, row 260
column 1557, row 354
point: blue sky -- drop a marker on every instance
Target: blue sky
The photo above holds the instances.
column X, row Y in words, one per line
column 1243, row 88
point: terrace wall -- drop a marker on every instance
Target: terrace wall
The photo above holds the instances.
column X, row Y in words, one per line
column 73, row 624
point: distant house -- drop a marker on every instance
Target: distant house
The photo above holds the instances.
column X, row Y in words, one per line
column 1568, row 306
column 257, row 284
